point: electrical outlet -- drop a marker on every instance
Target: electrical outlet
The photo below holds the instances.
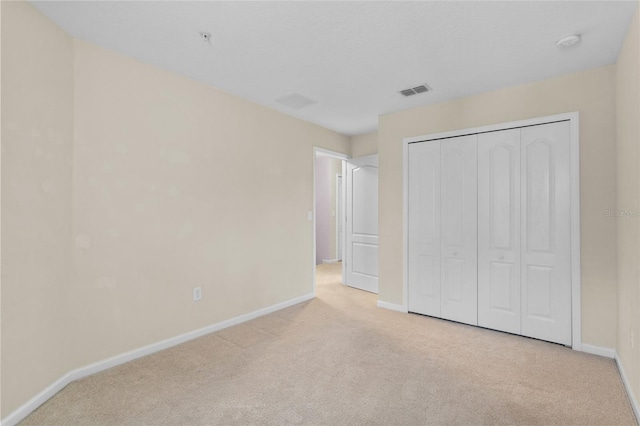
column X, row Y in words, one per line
column 197, row 293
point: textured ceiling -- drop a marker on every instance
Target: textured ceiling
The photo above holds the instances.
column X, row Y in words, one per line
column 352, row 58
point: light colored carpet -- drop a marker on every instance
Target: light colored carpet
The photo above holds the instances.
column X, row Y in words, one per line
column 339, row 359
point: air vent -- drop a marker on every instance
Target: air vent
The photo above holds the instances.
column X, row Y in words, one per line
column 415, row 90
column 295, row 101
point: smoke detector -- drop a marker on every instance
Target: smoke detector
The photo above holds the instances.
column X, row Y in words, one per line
column 568, row 41
column 415, row 90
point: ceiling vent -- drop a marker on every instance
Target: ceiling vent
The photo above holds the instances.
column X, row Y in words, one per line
column 296, row 101
column 415, row 90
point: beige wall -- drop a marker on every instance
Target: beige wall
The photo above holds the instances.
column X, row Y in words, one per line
column 178, row 185
column 168, row 184
column 589, row 92
column 628, row 175
column 365, row 144
column 37, row 127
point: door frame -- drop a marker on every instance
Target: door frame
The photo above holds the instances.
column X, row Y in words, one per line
column 322, row 152
column 338, row 214
column 576, row 283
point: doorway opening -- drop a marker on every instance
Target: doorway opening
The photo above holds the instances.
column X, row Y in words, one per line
column 328, row 213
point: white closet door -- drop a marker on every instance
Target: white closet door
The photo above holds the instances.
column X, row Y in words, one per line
column 459, row 231
column 499, row 230
column 424, row 228
column 545, row 232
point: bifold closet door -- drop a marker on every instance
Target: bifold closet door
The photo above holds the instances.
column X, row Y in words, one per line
column 545, row 232
column 424, row 228
column 489, row 230
column 459, row 230
column 499, row 230
column 443, row 229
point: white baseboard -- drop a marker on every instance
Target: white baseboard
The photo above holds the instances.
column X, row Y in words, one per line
column 28, row 407
column 391, row 306
column 613, row 354
column 597, row 350
column 330, row 260
column 25, row 409
column 627, row 385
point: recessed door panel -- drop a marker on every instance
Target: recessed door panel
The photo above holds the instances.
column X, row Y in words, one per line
column 539, row 283
column 454, row 195
column 501, row 288
column 539, row 186
column 428, row 269
column 365, row 200
column 365, row 259
column 499, row 230
column 453, row 282
column 501, row 195
column 545, row 232
column 458, row 239
column 424, row 228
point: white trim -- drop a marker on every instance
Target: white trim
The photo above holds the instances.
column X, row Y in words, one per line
column 598, row 350
column 25, row 409
column 627, row 385
column 338, row 214
column 324, row 261
column 494, row 127
column 405, row 224
column 367, row 160
column 323, row 152
column 576, row 280
column 391, row 306
column 320, row 152
column 576, row 283
column 343, row 218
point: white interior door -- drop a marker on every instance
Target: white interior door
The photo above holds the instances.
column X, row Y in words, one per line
column 545, row 232
column 459, row 229
column 424, row 228
column 362, row 223
column 499, row 230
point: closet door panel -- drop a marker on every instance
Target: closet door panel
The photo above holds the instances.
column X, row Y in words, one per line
column 545, row 232
column 424, row 228
column 458, row 238
column 499, row 230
